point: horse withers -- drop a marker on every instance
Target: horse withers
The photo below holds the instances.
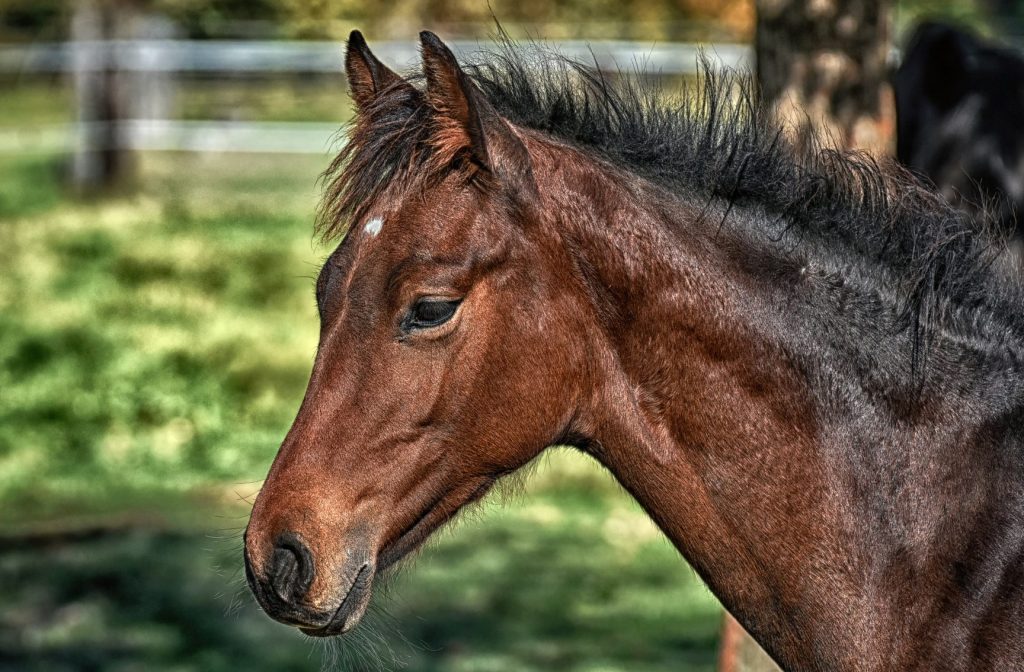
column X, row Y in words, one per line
column 801, row 365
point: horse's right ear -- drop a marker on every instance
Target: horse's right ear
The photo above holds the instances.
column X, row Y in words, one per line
column 467, row 123
column 367, row 76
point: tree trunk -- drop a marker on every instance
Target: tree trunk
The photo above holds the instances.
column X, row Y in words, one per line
column 823, row 67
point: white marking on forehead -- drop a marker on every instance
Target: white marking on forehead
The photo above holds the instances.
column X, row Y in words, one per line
column 373, row 226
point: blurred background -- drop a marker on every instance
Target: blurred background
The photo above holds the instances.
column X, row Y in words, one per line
column 158, row 184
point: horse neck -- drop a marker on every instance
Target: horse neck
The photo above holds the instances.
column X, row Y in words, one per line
column 802, row 519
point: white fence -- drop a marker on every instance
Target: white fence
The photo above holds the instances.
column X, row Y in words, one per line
column 178, row 135
column 227, row 57
column 155, row 63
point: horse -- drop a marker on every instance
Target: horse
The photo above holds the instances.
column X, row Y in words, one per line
column 799, row 362
column 960, row 112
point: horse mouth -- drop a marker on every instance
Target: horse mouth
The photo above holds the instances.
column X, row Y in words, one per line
column 356, row 600
column 351, row 609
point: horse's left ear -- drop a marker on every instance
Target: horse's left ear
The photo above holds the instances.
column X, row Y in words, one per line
column 467, row 123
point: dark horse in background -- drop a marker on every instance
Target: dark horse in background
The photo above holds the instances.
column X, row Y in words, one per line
column 960, row 111
column 802, row 366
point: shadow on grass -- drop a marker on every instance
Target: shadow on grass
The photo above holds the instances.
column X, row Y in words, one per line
column 521, row 592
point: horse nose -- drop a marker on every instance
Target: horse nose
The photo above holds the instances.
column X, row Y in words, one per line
column 289, row 570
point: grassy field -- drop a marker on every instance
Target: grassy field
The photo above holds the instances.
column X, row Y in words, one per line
column 33, row 101
column 153, row 351
column 570, row 577
column 153, row 343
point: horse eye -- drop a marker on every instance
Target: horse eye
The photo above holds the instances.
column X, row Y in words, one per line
column 428, row 313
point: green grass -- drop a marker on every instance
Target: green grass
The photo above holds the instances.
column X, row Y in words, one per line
column 320, row 99
column 153, row 351
column 36, row 101
column 153, row 343
column 572, row 577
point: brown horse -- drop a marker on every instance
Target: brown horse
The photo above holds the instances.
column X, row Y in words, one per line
column 801, row 366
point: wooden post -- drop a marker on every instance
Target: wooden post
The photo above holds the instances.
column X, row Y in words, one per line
column 101, row 160
column 153, row 92
column 738, row 652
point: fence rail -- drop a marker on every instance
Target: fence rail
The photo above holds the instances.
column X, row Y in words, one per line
column 240, row 57
column 261, row 137
column 144, row 104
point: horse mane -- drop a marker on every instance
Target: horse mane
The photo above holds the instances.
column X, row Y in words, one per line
column 717, row 143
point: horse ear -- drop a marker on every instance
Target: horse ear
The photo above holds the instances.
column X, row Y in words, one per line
column 467, row 122
column 367, row 76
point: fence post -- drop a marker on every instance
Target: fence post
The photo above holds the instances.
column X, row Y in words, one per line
column 738, row 652
column 101, row 160
column 153, row 90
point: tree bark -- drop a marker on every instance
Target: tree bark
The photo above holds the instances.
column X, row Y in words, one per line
column 823, row 67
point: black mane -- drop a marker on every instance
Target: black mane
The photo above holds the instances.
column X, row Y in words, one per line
column 718, row 145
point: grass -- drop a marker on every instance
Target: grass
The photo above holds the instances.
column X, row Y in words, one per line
column 309, row 98
column 34, row 101
column 30, row 101
column 153, row 351
column 153, row 343
column 572, row 577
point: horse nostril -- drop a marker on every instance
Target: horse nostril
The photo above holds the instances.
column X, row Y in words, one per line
column 291, row 569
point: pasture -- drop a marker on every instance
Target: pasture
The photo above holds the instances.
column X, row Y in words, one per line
column 153, row 351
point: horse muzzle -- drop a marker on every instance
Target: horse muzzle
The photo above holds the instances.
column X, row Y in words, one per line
column 283, row 584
